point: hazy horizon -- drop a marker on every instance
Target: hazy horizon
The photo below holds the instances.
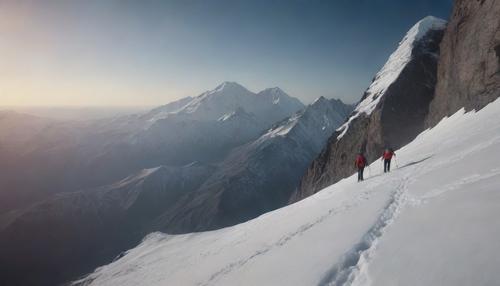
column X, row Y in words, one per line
column 77, row 112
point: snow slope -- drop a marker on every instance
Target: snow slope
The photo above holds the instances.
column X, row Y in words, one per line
column 432, row 221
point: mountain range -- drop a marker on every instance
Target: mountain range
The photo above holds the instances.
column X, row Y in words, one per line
column 50, row 156
column 431, row 221
column 235, row 187
column 195, row 164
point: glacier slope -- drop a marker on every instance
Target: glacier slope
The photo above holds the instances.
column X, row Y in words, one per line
column 431, row 221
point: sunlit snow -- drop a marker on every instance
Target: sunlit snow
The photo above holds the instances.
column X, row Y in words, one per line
column 432, row 221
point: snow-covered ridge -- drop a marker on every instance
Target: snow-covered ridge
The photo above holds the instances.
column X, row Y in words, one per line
column 224, row 89
column 393, row 68
column 437, row 212
column 285, row 128
column 163, row 111
column 311, row 110
column 397, row 61
column 268, row 105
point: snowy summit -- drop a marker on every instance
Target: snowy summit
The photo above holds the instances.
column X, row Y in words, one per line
column 393, row 68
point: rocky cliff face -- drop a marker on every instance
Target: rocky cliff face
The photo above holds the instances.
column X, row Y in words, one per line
column 469, row 66
column 391, row 112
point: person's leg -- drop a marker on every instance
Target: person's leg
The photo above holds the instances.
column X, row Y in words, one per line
column 385, row 166
column 359, row 174
column 389, row 165
column 362, row 170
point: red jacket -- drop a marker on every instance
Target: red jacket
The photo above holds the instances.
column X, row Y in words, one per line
column 388, row 155
column 360, row 161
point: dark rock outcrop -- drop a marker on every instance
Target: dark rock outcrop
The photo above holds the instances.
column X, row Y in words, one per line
column 391, row 112
column 469, row 66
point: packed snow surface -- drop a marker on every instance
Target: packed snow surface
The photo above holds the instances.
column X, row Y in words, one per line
column 432, row 221
column 393, row 67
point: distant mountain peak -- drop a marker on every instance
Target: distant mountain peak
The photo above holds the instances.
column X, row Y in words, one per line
column 229, row 85
column 273, row 91
column 222, row 102
column 319, row 100
column 276, row 94
column 334, row 102
column 229, row 88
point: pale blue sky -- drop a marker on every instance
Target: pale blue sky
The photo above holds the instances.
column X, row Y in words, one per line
column 120, row 52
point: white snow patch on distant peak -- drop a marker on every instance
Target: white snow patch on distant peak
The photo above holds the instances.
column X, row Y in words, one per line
column 319, row 100
column 136, row 177
column 240, row 111
column 226, row 116
column 284, row 128
column 393, row 68
column 275, row 93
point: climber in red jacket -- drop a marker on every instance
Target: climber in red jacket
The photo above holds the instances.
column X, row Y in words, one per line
column 387, row 157
column 360, row 163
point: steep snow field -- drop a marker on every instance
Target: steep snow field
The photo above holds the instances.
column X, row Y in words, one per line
column 434, row 220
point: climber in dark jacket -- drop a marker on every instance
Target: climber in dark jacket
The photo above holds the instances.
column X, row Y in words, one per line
column 360, row 163
column 387, row 157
